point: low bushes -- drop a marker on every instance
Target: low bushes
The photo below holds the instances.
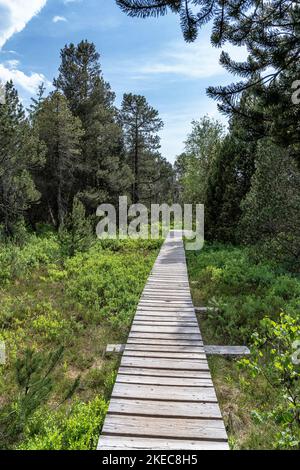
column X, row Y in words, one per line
column 243, row 289
column 80, row 303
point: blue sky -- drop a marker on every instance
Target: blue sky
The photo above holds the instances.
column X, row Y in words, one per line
column 146, row 57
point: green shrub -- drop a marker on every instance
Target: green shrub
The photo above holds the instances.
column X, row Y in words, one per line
column 107, row 284
column 243, row 289
column 77, row 428
column 16, row 261
column 274, row 355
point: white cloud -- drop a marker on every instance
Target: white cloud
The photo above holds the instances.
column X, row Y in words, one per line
column 196, row 61
column 29, row 83
column 57, row 19
column 15, row 14
column 12, row 64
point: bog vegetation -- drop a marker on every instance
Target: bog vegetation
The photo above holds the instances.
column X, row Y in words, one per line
column 64, row 296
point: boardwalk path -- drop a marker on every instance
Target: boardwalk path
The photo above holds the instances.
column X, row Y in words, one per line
column 164, row 397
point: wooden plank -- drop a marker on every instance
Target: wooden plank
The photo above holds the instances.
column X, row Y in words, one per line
column 138, row 443
column 183, row 312
column 163, row 347
column 164, row 392
column 169, row 318
column 158, row 380
column 165, row 303
column 115, row 348
column 165, row 408
column 164, row 372
column 159, row 363
column 178, row 349
column 165, row 329
column 171, row 342
column 174, row 336
column 155, row 323
column 200, row 429
column 165, row 354
column 227, row 350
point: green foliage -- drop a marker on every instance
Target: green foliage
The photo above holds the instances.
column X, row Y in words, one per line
column 103, row 174
column 76, row 428
column 77, row 233
column 271, row 207
column 80, row 303
column 20, row 153
column 242, row 288
column 50, row 325
column 34, row 377
column 141, row 124
column 228, row 182
column 193, row 167
column 275, row 355
column 16, row 261
column 107, row 284
column 62, row 133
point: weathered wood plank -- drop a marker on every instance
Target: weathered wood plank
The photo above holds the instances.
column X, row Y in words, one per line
column 164, row 329
column 174, row 336
column 165, row 408
column 115, row 348
column 169, row 318
column 159, row 363
column 164, row 392
column 164, row 372
column 171, row 342
column 227, row 350
column 151, row 322
column 165, row 427
column 174, row 381
column 165, row 354
column 163, row 347
column 139, row 443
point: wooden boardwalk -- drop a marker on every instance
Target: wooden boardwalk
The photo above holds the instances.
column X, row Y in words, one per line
column 164, row 397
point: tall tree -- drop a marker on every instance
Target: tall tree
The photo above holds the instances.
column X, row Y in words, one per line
column 141, row 124
column 20, row 153
column 271, row 209
column 103, row 174
column 62, row 132
column 201, row 148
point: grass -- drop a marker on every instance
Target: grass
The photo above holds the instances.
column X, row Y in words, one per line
column 82, row 303
column 245, row 289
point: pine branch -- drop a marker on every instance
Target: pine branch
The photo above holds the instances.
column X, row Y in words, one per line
column 146, row 8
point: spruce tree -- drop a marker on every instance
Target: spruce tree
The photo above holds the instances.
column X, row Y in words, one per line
column 141, row 124
column 271, row 208
column 62, row 132
column 21, row 153
column 103, row 174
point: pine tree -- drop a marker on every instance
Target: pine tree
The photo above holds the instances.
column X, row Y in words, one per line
column 62, row 133
column 77, row 233
column 36, row 103
column 269, row 30
column 103, row 174
column 20, row 153
column 271, row 208
column 141, row 124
